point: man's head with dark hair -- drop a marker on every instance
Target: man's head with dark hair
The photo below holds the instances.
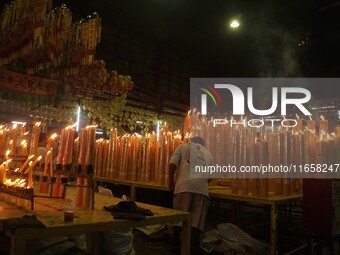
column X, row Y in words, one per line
column 197, row 139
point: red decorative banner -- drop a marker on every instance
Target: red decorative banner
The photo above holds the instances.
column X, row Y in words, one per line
column 23, row 84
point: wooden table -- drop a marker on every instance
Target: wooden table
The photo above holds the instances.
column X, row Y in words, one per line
column 273, row 202
column 223, row 192
column 49, row 211
column 134, row 185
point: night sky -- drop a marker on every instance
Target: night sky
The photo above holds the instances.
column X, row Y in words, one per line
column 293, row 38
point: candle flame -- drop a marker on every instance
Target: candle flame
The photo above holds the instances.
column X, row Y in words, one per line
column 178, row 136
column 321, row 117
column 16, row 170
column 53, row 136
column 26, row 133
column 297, row 116
column 8, row 151
column 189, row 113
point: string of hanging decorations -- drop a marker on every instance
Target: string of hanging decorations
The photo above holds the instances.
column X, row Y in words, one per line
column 40, row 41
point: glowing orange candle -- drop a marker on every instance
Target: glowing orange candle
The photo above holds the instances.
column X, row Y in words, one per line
column 67, row 156
column 51, row 162
column 323, row 125
column 186, row 128
column 105, row 157
column 51, row 141
column 23, row 132
column 91, row 134
column 311, row 123
column 83, row 143
column 25, row 163
column 47, row 161
column 14, row 137
column 61, row 147
column 35, row 138
column 298, row 126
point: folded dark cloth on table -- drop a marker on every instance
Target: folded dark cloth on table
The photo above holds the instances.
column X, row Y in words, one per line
column 128, row 210
column 27, row 221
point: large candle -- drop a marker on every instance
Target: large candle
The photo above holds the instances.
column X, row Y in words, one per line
column 284, row 161
column 157, row 148
column 186, row 128
column 62, row 145
column 83, row 144
column 105, row 157
column 47, row 161
column 139, row 154
column 275, row 185
column 263, row 158
column 113, row 154
column 166, row 161
column 323, row 125
column 23, row 132
column 98, row 170
column 35, row 138
column 337, row 131
column 298, row 126
column 51, row 141
column 311, row 124
column 89, row 159
column 14, row 137
column 23, row 148
column 51, row 162
column 25, row 163
column 67, row 157
column 161, row 163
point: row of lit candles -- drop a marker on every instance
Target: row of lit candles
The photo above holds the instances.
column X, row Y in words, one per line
column 135, row 157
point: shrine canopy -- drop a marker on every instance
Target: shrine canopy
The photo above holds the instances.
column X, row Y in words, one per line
column 45, row 56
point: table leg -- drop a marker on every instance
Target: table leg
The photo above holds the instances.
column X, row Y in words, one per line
column 133, row 192
column 273, row 228
column 185, row 237
column 18, row 246
column 94, row 242
column 95, row 185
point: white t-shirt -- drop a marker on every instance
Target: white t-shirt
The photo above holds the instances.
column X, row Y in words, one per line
column 187, row 181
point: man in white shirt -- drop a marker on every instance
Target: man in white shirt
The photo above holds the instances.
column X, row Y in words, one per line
column 191, row 188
